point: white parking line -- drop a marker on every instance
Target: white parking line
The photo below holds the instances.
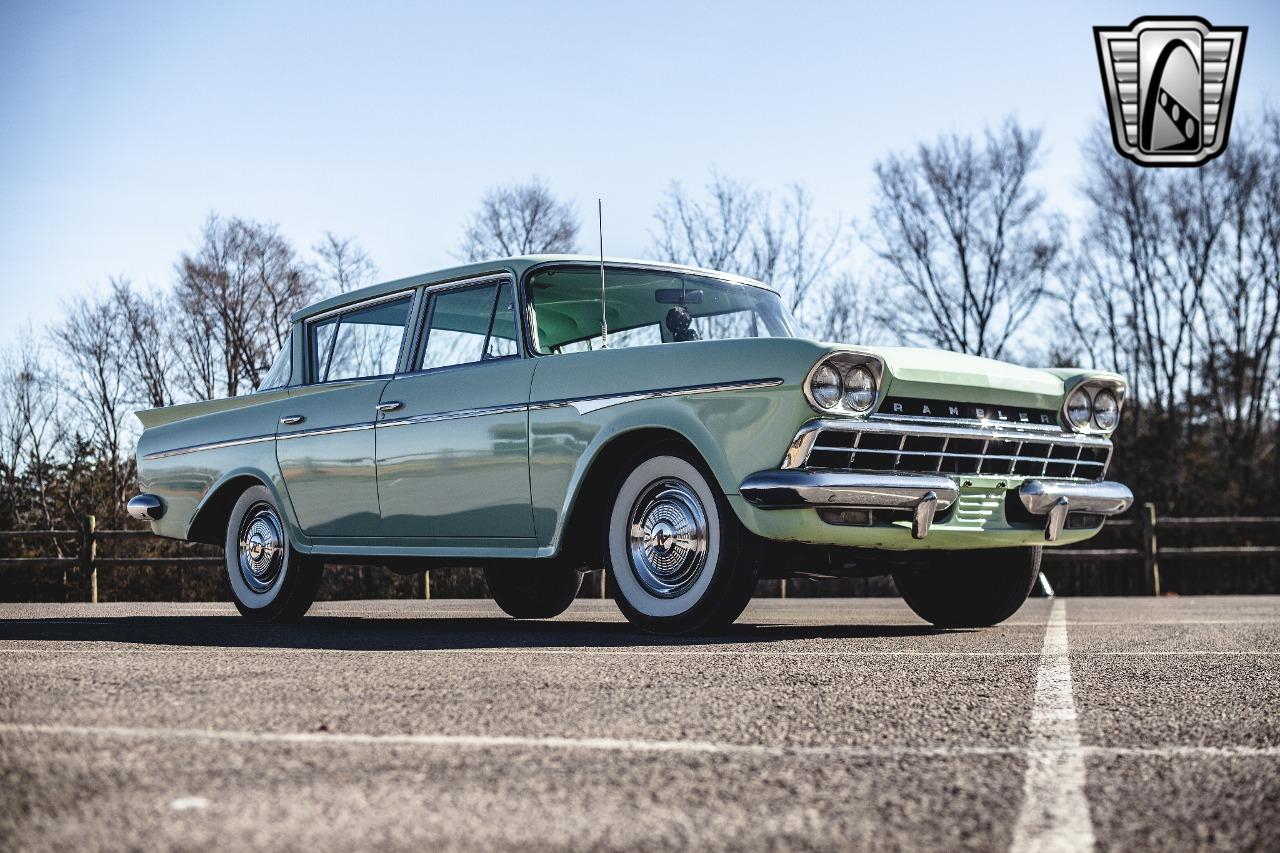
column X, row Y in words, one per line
column 1055, row 813
column 597, row 744
column 605, row 744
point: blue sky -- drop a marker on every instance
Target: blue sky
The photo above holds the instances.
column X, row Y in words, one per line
column 122, row 125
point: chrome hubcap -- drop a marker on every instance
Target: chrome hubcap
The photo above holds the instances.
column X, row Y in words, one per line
column 261, row 549
column 667, row 537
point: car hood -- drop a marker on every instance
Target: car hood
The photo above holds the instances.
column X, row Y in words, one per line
column 940, row 375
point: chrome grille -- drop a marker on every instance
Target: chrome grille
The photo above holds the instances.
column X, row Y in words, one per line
column 915, row 448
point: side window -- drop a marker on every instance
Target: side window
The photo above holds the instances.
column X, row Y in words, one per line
column 359, row 343
column 470, row 324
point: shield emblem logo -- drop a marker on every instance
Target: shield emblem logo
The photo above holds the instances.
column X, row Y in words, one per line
column 1170, row 85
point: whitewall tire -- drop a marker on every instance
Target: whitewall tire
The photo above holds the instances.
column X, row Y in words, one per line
column 673, row 547
column 270, row 582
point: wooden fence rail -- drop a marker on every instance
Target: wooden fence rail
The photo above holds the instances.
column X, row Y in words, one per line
column 1146, row 549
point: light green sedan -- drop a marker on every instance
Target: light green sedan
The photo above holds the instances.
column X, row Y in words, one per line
column 540, row 416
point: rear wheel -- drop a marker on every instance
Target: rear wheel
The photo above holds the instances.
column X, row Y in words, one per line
column 532, row 592
column 674, row 548
column 969, row 589
column 270, row 582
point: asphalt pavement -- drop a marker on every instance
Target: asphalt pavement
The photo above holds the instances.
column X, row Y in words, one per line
column 828, row 724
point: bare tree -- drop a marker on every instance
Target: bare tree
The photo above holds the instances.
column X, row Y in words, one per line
column 31, row 390
column 736, row 228
column 1177, row 285
column 847, row 316
column 714, row 232
column 343, row 264
column 1147, row 250
column 524, row 219
column 93, row 342
column 966, row 245
column 237, row 291
column 150, row 352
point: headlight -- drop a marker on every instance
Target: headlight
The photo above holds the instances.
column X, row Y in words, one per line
column 859, row 389
column 825, row 386
column 1106, row 410
column 1079, row 408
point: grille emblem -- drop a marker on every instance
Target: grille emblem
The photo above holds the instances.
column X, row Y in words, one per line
column 1170, row 85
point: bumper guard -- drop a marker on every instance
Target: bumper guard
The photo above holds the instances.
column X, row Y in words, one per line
column 1056, row 498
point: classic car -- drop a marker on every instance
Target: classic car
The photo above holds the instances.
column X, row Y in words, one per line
column 541, row 416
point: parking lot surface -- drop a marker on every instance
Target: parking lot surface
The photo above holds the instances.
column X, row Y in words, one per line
column 830, row 724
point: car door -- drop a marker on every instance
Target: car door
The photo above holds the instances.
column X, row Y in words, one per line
column 453, row 440
column 325, row 441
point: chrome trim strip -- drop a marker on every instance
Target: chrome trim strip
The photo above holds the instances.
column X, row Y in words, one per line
column 364, row 303
column 455, row 414
column 967, row 422
column 212, row 445
column 585, row 405
column 308, row 433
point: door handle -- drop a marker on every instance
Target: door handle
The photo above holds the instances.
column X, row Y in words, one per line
column 290, row 420
column 389, row 406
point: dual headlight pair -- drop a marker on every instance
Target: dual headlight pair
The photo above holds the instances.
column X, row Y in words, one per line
column 842, row 384
column 1096, row 407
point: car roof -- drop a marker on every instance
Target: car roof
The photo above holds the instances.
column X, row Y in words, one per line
column 516, row 265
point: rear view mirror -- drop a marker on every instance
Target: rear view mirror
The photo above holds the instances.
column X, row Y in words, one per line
column 677, row 296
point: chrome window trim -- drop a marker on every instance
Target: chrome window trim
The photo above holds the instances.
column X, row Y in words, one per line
column 422, row 323
column 366, row 303
column 406, row 333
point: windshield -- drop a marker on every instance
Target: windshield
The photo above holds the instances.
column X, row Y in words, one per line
column 648, row 307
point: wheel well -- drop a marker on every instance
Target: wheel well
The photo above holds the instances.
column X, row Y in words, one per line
column 210, row 523
column 580, row 540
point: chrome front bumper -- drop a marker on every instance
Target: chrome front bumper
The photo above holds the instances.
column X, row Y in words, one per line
column 922, row 494
column 1055, row 499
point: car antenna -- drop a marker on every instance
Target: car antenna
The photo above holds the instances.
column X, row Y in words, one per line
column 604, row 321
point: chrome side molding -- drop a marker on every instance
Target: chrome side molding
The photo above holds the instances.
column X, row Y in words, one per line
column 146, row 507
column 923, row 495
column 1055, row 499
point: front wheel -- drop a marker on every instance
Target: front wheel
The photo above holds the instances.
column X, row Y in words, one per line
column 969, row 589
column 270, row 582
column 674, row 549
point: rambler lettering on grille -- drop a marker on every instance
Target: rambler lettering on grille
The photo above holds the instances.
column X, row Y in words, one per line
column 920, row 408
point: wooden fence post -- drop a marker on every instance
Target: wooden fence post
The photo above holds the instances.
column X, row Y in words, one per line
column 89, row 557
column 1150, row 549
